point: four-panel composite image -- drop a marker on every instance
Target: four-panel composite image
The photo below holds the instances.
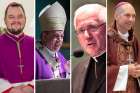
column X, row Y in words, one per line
column 69, row 46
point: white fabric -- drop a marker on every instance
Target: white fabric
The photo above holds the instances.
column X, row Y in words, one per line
column 51, row 56
column 124, row 36
column 53, row 18
column 44, row 9
column 138, row 81
column 4, row 84
column 122, row 78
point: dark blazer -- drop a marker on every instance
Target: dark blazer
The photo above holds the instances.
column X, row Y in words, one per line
column 79, row 76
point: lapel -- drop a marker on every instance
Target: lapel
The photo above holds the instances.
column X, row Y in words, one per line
column 83, row 74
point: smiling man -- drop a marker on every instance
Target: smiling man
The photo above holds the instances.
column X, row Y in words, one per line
column 90, row 28
column 16, row 51
column 123, row 51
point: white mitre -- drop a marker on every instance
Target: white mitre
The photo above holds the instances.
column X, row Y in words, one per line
column 52, row 17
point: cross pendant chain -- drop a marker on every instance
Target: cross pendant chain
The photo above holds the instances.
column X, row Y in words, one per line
column 20, row 58
column 130, row 59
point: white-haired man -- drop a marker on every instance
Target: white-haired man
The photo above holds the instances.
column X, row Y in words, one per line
column 90, row 27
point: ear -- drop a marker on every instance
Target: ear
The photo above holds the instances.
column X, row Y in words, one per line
column 115, row 16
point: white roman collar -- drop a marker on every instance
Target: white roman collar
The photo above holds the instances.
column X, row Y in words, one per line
column 124, row 36
column 95, row 57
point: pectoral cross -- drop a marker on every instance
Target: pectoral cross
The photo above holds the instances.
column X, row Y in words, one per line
column 21, row 68
column 130, row 59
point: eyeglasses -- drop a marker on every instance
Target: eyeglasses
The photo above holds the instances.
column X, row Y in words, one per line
column 90, row 28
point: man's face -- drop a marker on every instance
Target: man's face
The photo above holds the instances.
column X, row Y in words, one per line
column 53, row 39
column 15, row 20
column 91, row 34
column 126, row 19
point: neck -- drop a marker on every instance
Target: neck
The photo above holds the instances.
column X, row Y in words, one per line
column 16, row 35
column 122, row 30
column 99, row 54
column 101, row 57
column 51, row 53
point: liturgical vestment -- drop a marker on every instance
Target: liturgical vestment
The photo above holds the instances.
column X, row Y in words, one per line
column 44, row 69
column 119, row 54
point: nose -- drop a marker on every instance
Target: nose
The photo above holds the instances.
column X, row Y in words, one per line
column 132, row 18
column 87, row 34
column 59, row 39
column 15, row 20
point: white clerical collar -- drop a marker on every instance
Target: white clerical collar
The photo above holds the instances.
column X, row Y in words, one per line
column 51, row 53
column 124, row 36
column 95, row 57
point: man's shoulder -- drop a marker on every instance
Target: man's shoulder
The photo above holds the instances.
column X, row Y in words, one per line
column 2, row 37
column 81, row 66
column 29, row 37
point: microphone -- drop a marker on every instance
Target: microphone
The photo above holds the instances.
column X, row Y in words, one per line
column 78, row 53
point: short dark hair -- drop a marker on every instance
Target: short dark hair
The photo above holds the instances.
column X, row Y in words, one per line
column 14, row 4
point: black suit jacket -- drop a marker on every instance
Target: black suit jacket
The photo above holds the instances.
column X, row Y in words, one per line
column 79, row 77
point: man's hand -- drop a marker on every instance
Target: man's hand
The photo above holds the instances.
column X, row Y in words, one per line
column 16, row 90
column 67, row 66
column 137, row 70
column 22, row 89
column 134, row 70
column 27, row 89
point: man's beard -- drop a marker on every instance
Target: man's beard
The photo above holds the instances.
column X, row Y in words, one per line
column 15, row 31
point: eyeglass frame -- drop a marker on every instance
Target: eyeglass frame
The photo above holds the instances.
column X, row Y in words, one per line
column 96, row 28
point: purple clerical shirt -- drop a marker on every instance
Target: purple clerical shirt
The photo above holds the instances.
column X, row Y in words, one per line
column 16, row 58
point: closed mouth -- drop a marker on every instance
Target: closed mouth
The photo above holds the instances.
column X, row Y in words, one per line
column 89, row 44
